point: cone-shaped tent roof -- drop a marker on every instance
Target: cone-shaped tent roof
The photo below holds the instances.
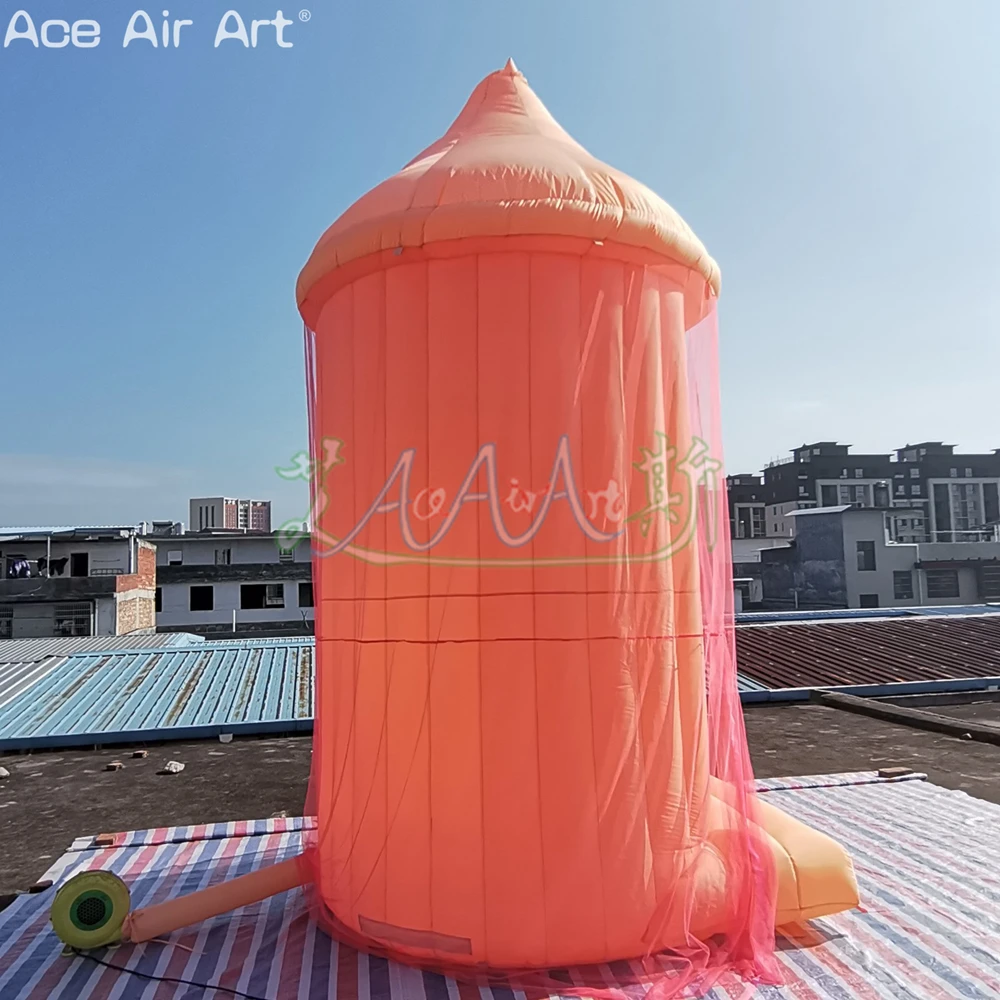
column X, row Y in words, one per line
column 505, row 167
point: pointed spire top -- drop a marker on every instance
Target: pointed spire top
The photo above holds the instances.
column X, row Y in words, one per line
column 504, row 166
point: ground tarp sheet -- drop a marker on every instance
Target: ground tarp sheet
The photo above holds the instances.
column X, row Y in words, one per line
column 927, row 861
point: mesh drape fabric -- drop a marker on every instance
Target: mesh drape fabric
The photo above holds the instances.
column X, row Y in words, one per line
column 529, row 739
column 529, row 752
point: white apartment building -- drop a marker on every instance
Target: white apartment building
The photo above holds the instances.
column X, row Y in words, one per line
column 221, row 584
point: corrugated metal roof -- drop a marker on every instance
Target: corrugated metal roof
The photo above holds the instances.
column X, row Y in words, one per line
column 17, row 677
column 849, row 614
column 38, row 649
column 51, row 529
column 167, row 693
column 163, row 689
column 887, row 651
column 164, row 692
column 303, row 640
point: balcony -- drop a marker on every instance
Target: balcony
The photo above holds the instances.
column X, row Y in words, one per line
column 71, row 588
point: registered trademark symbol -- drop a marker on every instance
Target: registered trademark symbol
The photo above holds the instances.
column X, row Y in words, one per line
column 304, row 15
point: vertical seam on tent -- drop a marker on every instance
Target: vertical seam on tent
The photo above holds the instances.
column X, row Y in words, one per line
column 383, row 364
column 534, row 642
column 586, row 611
column 433, row 651
column 638, row 344
column 479, row 633
column 359, row 621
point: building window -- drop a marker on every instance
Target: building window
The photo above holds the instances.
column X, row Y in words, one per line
column 859, row 473
column 175, row 557
column 868, row 600
column 158, row 601
column 803, row 491
column 989, row 583
column 942, row 583
column 6, row 621
column 288, row 555
column 991, row 503
column 305, row 595
column 73, row 619
column 914, row 491
column 258, row 596
column 968, row 473
column 902, row 585
column 223, row 557
column 965, row 507
column 79, row 565
column 953, row 473
column 203, row 598
column 914, row 473
column 866, row 556
column 857, row 495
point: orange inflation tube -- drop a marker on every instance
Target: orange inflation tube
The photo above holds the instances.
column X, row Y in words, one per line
column 529, row 748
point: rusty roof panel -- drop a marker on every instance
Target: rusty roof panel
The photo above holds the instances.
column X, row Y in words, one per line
column 869, row 651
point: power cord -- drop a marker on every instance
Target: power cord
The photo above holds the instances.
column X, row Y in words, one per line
column 167, row 979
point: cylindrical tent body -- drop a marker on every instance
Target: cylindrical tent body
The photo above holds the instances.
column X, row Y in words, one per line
column 529, row 750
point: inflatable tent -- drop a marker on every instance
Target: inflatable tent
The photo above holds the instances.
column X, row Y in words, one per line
column 528, row 748
column 529, row 743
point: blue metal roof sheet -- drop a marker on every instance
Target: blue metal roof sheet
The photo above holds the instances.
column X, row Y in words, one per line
column 240, row 686
column 38, row 649
column 745, row 683
column 17, row 676
column 167, row 693
column 144, row 695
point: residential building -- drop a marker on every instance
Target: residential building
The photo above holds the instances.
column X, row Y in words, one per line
column 236, row 585
column 747, row 568
column 949, row 497
column 225, row 514
column 825, row 474
column 746, row 506
column 850, row 556
column 778, row 519
column 958, row 495
column 76, row 581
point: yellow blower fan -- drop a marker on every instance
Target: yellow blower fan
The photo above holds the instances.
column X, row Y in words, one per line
column 89, row 910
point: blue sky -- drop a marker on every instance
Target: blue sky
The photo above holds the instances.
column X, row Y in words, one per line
column 839, row 158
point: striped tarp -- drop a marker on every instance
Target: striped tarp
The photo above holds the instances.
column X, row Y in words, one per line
column 928, row 862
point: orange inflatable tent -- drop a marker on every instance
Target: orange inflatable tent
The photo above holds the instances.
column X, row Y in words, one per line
column 529, row 744
column 529, row 748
